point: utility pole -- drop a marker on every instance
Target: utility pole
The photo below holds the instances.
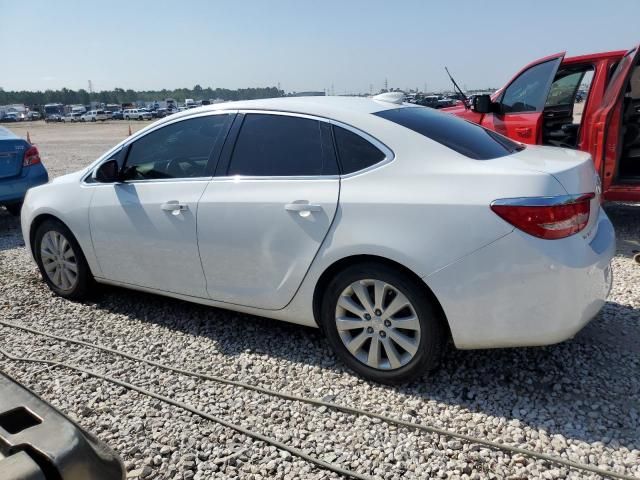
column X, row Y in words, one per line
column 386, row 84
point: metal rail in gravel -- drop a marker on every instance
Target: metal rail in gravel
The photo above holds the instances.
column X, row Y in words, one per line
column 238, row 428
column 310, row 401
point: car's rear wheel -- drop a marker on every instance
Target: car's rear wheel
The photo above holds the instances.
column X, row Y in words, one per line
column 61, row 261
column 381, row 324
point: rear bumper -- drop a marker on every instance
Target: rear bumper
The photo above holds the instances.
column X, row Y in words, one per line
column 524, row 291
column 13, row 190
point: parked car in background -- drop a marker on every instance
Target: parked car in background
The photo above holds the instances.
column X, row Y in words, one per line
column 20, row 169
column 136, row 114
column 117, row 115
column 38, row 442
column 159, row 113
column 537, row 106
column 54, row 117
column 94, row 116
column 72, row 117
column 339, row 212
column 34, row 116
column 11, row 117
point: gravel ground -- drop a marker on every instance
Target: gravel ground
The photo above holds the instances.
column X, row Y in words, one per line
column 579, row 400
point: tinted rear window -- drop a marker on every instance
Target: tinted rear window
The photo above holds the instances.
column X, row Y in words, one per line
column 464, row 137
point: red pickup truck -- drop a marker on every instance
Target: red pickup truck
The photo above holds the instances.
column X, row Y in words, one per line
column 542, row 103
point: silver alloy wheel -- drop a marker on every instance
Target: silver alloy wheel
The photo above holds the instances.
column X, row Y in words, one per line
column 59, row 260
column 378, row 324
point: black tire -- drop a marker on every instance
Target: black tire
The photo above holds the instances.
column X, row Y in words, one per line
column 14, row 209
column 432, row 330
column 85, row 282
column 93, row 119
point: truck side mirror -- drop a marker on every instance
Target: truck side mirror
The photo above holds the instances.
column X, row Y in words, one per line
column 482, row 104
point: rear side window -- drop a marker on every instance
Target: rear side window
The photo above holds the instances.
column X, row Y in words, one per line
column 355, row 152
column 464, row 137
column 280, row 145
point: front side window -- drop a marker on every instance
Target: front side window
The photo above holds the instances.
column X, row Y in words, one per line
column 464, row 137
column 179, row 150
column 355, row 152
column 528, row 92
column 282, row 145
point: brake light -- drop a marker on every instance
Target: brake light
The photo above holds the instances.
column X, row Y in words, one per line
column 31, row 156
column 550, row 218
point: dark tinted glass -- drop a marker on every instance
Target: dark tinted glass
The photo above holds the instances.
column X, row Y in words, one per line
column 179, row 150
column 355, row 152
column 528, row 92
column 279, row 145
column 464, row 137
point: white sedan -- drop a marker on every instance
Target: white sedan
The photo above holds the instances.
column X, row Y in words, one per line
column 392, row 227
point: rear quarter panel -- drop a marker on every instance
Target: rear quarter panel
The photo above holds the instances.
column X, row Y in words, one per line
column 425, row 209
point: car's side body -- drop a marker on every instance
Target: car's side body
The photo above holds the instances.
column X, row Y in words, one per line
column 600, row 131
column 16, row 174
column 272, row 258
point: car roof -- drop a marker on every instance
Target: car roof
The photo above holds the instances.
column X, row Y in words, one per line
column 343, row 109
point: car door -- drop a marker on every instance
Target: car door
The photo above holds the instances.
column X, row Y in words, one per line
column 522, row 101
column 144, row 228
column 607, row 126
column 264, row 216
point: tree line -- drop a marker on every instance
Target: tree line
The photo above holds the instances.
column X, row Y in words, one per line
column 120, row 95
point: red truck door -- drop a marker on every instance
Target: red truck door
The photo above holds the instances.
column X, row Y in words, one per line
column 520, row 104
column 607, row 130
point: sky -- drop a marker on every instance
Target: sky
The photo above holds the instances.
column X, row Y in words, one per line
column 352, row 45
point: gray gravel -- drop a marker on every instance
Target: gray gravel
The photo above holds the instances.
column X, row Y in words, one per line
column 578, row 400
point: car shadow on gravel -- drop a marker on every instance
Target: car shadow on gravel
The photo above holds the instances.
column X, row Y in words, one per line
column 582, row 389
column 10, row 232
column 626, row 220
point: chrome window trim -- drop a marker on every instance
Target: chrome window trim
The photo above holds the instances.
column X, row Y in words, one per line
column 141, row 133
column 543, row 201
column 389, row 156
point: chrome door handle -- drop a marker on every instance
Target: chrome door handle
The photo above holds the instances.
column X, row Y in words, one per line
column 174, row 207
column 302, row 207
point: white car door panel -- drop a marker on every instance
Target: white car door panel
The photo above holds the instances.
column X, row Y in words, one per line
column 258, row 237
column 144, row 233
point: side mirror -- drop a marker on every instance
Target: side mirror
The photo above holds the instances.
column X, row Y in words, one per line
column 482, row 104
column 108, row 172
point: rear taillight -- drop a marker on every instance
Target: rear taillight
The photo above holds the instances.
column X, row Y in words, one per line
column 31, row 156
column 546, row 217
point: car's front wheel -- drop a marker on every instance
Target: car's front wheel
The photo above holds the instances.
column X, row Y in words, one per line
column 61, row 261
column 382, row 324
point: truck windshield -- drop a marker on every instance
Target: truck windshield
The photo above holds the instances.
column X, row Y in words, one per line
column 464, row 137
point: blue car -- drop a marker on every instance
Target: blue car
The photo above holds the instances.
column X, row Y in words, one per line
column 20, row 169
